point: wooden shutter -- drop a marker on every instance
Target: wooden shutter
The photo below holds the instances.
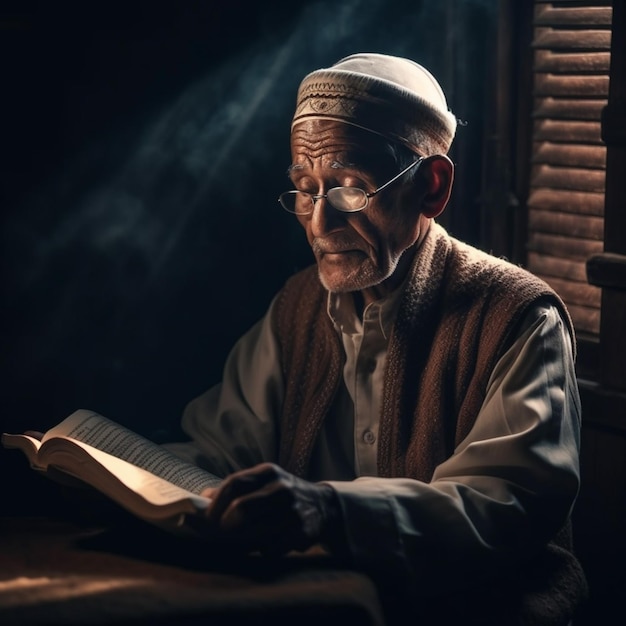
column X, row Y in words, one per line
column 571, row 50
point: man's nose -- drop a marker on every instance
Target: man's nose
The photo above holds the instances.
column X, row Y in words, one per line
column 324, row 218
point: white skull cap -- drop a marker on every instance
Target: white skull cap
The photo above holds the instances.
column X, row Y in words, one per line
column 391, row 96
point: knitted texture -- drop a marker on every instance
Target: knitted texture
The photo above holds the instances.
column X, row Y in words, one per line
column 456, row 317
column 455, row 320
column 312, row 362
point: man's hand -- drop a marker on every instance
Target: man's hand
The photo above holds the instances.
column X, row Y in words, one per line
column 267, row 509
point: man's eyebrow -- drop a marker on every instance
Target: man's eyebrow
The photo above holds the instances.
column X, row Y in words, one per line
column 337, row 165
column 293, row 167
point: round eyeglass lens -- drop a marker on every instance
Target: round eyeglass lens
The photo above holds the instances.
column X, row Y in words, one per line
column 348, row 199
column 296, row 202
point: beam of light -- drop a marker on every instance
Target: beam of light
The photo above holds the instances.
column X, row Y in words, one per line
column 196, row 136
column 210, row 135
column 272, row 72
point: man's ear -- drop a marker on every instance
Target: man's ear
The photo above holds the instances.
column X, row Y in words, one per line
column 437, row 173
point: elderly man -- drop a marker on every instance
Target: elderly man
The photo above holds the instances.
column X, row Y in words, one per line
column 409, row 402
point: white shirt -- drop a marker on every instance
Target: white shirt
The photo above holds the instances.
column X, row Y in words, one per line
column 508, row 485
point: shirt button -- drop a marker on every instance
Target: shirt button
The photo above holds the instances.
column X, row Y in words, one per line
column 369, row 437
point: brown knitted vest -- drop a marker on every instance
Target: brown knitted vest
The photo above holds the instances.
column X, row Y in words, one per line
column 455, row 319
column 457, row 314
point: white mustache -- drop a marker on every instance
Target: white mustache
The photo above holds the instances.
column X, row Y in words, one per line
column 334, row 245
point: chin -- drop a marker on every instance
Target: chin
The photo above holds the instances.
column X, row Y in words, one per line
column 353, row 271
column 349, row 281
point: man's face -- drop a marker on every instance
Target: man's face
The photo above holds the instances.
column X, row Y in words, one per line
column 354, row 251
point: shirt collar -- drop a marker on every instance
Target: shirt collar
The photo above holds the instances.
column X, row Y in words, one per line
column 340, row 308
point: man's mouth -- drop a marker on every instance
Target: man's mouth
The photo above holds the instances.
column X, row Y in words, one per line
column 330, row 249
column 336, row 257
column 340, row 256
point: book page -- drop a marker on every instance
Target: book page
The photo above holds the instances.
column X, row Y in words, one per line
column 152, row 488
column 101, row 433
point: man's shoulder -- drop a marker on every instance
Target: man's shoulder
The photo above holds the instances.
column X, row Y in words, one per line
column 474, row 267
column 501, row 284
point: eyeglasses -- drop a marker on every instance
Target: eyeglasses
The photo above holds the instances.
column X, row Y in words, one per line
column 344, row 199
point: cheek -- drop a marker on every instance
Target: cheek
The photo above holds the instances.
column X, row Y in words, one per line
column 388, row 237
column 362, row 226
column 404, row 226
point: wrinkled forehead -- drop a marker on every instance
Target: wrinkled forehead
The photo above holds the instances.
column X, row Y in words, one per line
column 318, row 137
column 335, row 145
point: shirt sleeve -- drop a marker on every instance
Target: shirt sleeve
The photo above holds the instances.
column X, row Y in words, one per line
column 508, row 487
column 233, row 424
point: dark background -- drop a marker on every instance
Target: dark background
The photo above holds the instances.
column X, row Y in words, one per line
column 144, row 145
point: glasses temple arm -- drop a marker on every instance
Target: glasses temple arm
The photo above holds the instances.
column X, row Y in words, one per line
column 395, row 178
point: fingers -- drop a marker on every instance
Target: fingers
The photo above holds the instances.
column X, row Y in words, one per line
column 261, row 510
column 209, row 492
column 267, row 509
column 238, row 485
column 254, row 524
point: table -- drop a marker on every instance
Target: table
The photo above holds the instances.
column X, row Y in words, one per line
column 55, row 570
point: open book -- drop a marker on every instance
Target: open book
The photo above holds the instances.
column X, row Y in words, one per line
column 141, row 476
